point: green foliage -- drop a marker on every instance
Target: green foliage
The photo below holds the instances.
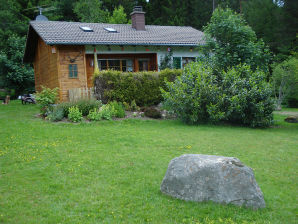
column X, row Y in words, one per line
column 107, row 112
column 74, row 114
column 15, row 75
column 240, row 96
column 152, row 112
column 94, row 115
column 134, row 106
column 126, row 106
column 57, row 114
column 166, row 61
column 118, row 17
column 90, row 11
column 285, row 81
column 118, row 109
column 230, row 41
column 84, row 105
column 46, row 98
column 143, row 87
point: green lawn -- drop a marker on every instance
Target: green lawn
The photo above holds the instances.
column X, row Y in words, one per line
column 111, row 171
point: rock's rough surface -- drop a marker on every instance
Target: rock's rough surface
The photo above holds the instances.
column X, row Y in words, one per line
column 195, row 177
column 292, row 119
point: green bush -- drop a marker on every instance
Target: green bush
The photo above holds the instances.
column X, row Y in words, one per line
column 285, row 82
column 74, row 114
column 84, row 106
column 239, row 96
column 57, row 114
column 118, row 109
column 94, row 115
column 46, row 98
column 143, row 87
column 107, row 112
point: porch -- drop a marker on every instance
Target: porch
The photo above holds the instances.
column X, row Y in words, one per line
column 121, row 62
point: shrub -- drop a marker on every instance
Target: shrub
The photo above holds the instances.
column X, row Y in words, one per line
column 94, row 115
column 46, row 98
column 107, row 112
column 152, row 112
column 75, row 115
column 56, row 115
column 84, row 106
column 118, row 109
column 239, row 96
column 285, row 82
column 143, row 87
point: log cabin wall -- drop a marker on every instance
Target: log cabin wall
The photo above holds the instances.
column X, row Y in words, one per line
column 77, row 55
column 45, row 66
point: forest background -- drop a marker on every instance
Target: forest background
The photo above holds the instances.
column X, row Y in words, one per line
column 275, row 21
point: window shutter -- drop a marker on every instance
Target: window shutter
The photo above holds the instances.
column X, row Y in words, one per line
column 177, row 62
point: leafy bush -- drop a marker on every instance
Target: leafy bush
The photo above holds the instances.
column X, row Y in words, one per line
column 74, row 114
column 107, row 112
column 152, row 112
column 56, row 115
column 94, row 115
column 285, row 82
column 239, row 96
column 118, row 109
column 46, row 98
column 84, row 106
column 143, row 87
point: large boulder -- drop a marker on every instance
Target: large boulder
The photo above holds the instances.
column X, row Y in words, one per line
column 195, row 177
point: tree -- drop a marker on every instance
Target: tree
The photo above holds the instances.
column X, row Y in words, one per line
column 285, row 81
column 90, row 11
column 118, row 16
column 16, row 75
column 230, row 41
column 266, row 19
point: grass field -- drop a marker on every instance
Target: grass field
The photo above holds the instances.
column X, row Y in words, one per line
column 111, row 171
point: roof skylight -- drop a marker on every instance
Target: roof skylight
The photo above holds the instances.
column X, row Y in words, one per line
column 110, row 30
column 86, row 29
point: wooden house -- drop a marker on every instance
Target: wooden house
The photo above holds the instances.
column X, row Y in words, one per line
column 63, row 53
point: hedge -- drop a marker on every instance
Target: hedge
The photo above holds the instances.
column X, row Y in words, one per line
column 143, row 87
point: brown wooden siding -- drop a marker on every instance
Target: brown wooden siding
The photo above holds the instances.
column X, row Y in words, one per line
column 66, row 53
column 45, row 67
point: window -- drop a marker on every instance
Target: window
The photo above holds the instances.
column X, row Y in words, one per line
column 73, row 71
column 187, row 60
column 177, row 62
column 86, row 29
column 110, row 30
column 124, row 65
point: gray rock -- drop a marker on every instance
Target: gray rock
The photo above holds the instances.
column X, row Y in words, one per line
column 292, row 119
column 195, row 177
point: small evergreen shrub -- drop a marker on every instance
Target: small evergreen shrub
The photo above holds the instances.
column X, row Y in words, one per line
column 46, row 98
column 143, row 87
column 74, row 114
column 94, row 115
column 57, row 114
column 152, row 112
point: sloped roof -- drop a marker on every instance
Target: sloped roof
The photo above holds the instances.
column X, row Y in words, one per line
column 70, row 33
